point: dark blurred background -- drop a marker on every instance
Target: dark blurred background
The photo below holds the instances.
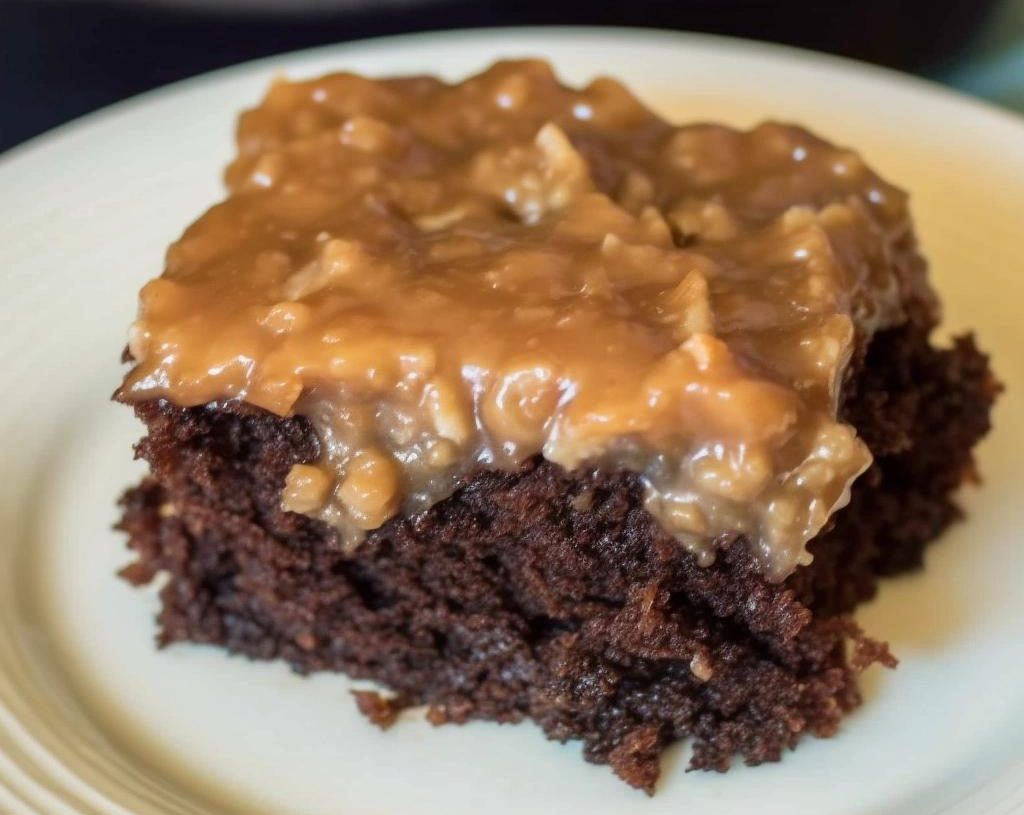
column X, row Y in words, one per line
column 62, row 58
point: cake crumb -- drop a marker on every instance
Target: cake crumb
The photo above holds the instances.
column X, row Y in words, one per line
column 453, row 711
column 635, row 758
column 381, row 710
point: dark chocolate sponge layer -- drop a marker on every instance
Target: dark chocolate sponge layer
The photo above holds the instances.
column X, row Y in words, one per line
column 554, row 595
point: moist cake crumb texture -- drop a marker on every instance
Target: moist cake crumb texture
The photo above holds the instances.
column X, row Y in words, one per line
column 524, row 402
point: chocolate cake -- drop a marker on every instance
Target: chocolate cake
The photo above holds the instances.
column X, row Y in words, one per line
column 524, row 402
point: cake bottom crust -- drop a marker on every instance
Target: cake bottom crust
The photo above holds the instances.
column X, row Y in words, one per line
column 555, row 595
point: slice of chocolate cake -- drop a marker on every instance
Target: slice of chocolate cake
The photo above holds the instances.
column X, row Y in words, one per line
column 524, row 402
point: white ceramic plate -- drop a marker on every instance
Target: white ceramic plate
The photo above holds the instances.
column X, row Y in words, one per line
column 95, row 721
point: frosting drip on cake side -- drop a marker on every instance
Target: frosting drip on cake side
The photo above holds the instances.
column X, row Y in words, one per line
column 447, row 278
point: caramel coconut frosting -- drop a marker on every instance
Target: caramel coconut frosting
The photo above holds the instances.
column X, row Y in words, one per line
column 448, row 278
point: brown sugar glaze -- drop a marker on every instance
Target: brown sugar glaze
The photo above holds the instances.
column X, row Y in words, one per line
column 444, row 278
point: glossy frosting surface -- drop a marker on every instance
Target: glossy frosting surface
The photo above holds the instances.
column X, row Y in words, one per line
column 449, row 277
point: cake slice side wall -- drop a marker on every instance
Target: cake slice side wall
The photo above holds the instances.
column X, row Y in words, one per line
column 555, row 595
